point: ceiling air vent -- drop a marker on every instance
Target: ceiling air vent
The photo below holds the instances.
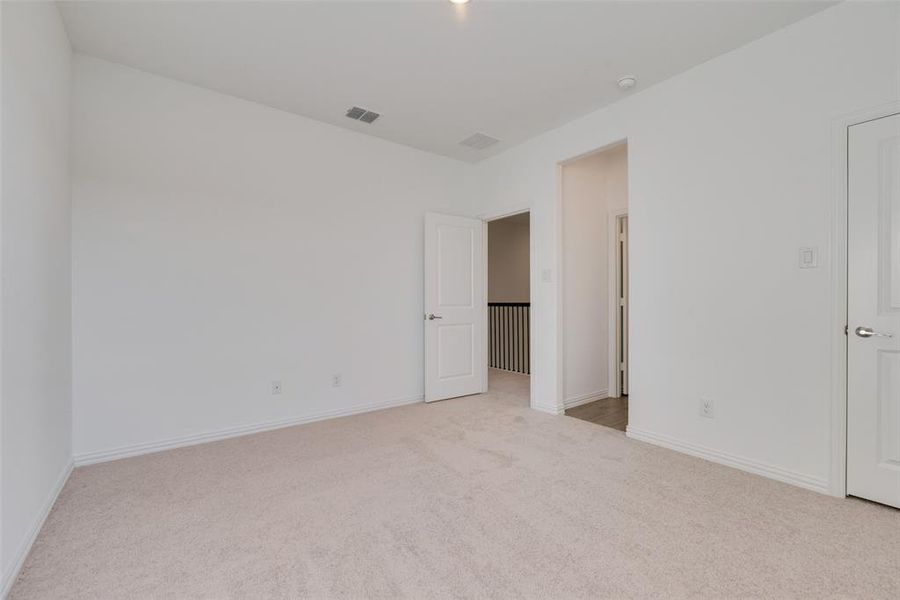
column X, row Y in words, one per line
column 361, row 114
column 479, row 141
column 369, row 116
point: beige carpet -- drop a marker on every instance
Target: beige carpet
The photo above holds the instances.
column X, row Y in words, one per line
column 470, row 498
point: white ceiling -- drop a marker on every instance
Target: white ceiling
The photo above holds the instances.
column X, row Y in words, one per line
column 436, row 72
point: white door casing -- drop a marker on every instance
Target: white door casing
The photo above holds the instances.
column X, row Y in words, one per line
column 873, row 303
column 455, row 361
column 623, row 304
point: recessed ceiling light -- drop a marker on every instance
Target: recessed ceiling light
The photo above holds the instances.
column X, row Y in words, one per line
column 459, row 1
column 627, row 82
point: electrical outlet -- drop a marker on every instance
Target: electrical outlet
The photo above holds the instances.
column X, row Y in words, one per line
column 336, row 380
column 706, row 408
column 276, row 388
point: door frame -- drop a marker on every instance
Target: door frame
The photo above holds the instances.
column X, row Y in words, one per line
column 496, row 216
column 614, row 216
column 561, row 271
column 839, row 241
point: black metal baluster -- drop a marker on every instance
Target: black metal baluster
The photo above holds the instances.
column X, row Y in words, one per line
column 491, row 338
column 506, row 338
column 509, row 336
column 517, row 341
column 513, row 338
column 528, row 340
column 494, row 333
column 521, row 340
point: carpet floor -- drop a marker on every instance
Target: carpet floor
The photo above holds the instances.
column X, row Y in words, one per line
column 476, row 497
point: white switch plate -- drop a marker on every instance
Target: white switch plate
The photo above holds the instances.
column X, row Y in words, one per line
column 809, row 258
column 547, row 276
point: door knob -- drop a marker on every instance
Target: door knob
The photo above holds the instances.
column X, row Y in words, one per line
column 867, row 332
column 432, row 316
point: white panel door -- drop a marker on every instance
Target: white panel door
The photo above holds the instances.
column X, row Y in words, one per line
column 873, row 369
column 454, row 307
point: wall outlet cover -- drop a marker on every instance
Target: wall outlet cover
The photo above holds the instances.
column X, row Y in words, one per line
column 276, row 388
column 707, row 408
column 336, row 380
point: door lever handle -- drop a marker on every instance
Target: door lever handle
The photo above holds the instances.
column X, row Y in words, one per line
column 867, row 332
column 432, row 316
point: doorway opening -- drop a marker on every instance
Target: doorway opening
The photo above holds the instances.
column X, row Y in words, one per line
column 509, row 306
column 594, row 286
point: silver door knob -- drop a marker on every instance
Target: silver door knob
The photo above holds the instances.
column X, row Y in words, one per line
column 867, row 332
column 432, row 316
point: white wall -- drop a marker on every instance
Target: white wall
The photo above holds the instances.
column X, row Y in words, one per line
column 590, row 188
column 35, row 320
column 508, row 259
column 220, row 245
column 731, row 171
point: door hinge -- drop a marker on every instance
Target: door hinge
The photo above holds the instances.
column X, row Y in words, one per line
column 621, row 366
column 846, row 330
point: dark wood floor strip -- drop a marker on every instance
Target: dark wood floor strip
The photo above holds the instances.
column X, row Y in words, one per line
column 609, row 412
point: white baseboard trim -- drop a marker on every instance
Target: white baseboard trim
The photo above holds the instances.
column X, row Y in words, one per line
column 9, row 578
column 90, row 458
column 585, row 398
column 548, row 408
column 723, row 458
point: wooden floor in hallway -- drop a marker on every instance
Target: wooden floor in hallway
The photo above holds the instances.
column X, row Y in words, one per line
column 609, row 412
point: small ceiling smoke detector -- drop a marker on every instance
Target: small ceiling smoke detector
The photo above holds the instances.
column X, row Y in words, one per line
column 479, row 141
column 627, row 82
column 361, row 114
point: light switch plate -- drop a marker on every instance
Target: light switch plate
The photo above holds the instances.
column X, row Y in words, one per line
column 547, row 276
column 809, row 258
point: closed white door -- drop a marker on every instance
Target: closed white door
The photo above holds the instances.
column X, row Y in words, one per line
column 455, row 363
column 873, row 369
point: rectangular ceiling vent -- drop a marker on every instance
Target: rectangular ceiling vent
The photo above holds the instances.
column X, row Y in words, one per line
column 479, row 141
column 361, row 114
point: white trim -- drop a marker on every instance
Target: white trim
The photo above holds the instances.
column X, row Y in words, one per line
column 549, row 408
column 803, row 480
column 560, row 268
column 507, row 212
column 585, row 398
column 596, row 150
column 613, row 263
column 486, row 316
column 9, row 578
column 90, row 458
column 838, row 285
